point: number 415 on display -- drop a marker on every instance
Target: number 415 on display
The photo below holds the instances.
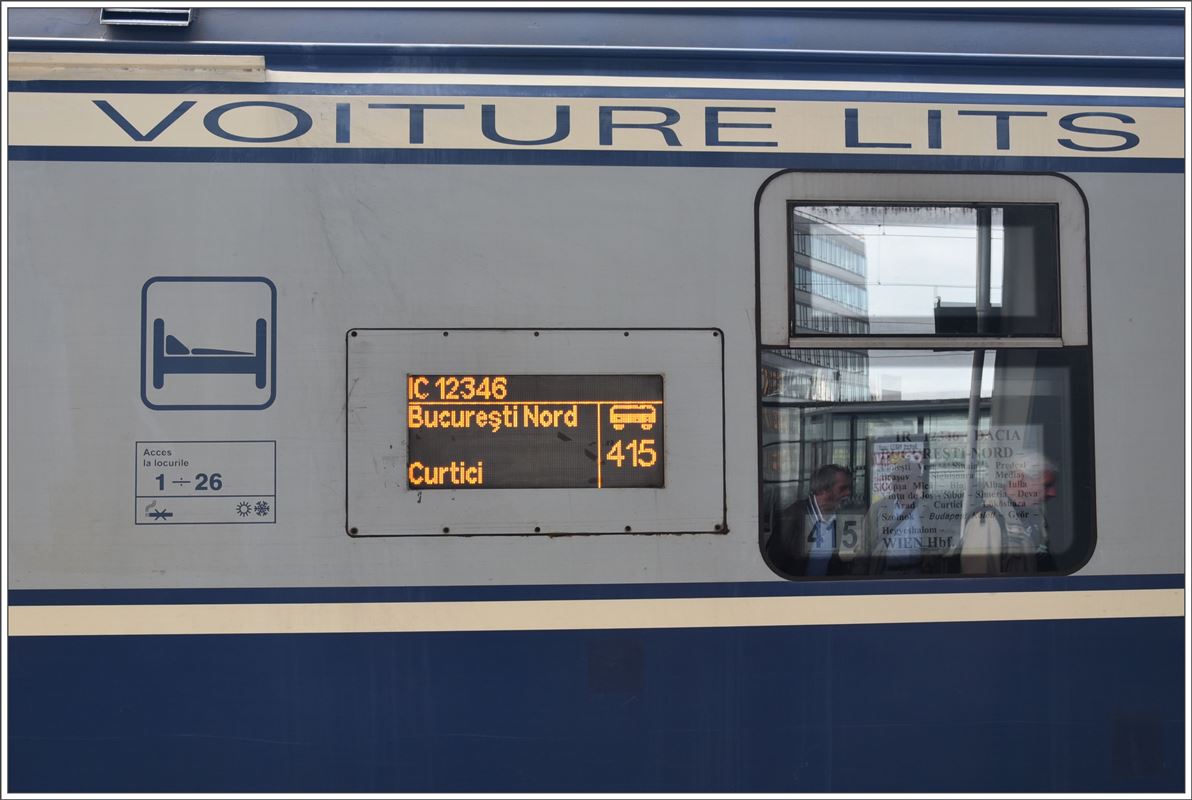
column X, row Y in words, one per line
column 640, row 452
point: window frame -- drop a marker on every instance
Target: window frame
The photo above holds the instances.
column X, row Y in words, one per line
column 775, row 253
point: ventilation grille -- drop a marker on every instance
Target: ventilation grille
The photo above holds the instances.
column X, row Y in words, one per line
column 170, row 17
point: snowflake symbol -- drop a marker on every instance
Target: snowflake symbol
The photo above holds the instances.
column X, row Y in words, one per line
column 243, row 508
column 262, row 508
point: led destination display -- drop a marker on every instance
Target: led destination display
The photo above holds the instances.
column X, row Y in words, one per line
column 534, row 432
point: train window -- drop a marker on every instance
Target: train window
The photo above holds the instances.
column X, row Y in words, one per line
column 924, row 403
column 918, row 455
column 863, row 269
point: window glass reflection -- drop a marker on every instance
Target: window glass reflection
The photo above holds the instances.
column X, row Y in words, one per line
column 954, row 462
column 905, row 270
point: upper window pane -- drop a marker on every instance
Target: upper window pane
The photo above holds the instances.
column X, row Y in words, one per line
column 901, row 270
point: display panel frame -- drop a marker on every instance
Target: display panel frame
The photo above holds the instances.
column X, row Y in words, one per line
column 381, row 502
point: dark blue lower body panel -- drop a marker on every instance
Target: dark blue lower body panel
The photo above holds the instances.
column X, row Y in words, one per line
column 1073, row 706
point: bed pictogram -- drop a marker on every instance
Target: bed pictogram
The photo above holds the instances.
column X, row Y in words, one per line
column 208, row 343
column 172, row 356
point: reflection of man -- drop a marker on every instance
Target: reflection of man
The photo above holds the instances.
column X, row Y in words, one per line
column 1009, row 533
column 894, row 538
column 805, row 540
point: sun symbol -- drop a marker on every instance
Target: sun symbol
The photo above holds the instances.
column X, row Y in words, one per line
column 244, row 508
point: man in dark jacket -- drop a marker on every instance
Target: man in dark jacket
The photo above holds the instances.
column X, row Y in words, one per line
column 805, row 540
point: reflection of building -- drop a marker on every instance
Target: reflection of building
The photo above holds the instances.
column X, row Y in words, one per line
column 857, row 435
column 797, row 438
column 828, row 296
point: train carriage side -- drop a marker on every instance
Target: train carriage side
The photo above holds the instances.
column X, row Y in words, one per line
column 448, row 419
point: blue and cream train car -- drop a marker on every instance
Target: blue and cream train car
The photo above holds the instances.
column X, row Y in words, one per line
column 595, row 400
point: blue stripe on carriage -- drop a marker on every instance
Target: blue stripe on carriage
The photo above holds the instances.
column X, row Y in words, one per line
column 431, row 594
column 458, row 85
column 1052, row 706
column 819, row 161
